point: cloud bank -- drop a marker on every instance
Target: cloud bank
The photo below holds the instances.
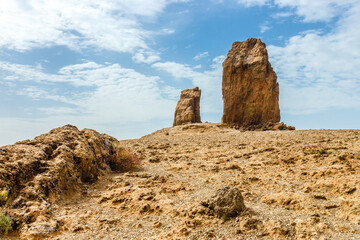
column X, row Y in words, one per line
column 103, row 24
column 91, row 94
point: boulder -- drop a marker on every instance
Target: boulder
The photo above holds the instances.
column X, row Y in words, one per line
column 227, row 202
column 188, row 108
column 249, row 87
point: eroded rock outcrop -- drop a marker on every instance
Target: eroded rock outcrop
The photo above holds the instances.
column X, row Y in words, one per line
column 38, row 173
column 250, row 89
column 188, row 108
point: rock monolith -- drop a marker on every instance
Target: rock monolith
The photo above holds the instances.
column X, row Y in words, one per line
column 188, row 108
column 249, row 87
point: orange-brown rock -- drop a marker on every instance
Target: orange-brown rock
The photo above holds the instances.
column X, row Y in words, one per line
column 188, row 108
column 41, row 172
column 250, row 89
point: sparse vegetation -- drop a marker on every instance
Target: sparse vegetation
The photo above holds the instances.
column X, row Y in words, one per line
column 4, row 196
column 316, row 149
column 124, row 159
column 5, row 223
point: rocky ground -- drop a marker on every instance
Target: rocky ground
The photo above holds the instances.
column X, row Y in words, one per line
column 295, row 184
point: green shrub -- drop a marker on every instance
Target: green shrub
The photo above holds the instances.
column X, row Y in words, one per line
column 316, row 149
column 5, row 224
column 4, row 195
column 123, row 160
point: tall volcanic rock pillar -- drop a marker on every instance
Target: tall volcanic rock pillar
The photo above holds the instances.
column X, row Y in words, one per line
column 188, row 108
column 249, row 87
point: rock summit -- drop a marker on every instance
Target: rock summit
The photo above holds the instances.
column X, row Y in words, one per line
column 249, row 86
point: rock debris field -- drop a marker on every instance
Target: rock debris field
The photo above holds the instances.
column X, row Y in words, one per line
column 300, row 184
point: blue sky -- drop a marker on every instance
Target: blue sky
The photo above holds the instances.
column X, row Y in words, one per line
column 118, row 66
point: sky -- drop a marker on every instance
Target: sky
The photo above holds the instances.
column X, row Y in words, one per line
column 118, row 66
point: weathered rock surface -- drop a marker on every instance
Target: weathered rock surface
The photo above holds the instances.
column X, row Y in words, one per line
column 250, row 89
column 227, row 202
column 188, row 108
column 266, row 127
column 41, row 172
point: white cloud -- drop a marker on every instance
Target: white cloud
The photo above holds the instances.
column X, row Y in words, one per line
column 96, row 96
column 104, row 24
column 282, row 14
column 201, row 55
column 265, row 27
column 59, row 111
column 79, row 67
column 177, row 70
column 171, row 92
column 310, row 10
column 321, row 69
column 253, row 2
column 146, row 57
column 218, row 60
column 168, row 31
column 37, row 93
column 24, row 73
column 319, row 10
column 105, row 97
column 316, row 98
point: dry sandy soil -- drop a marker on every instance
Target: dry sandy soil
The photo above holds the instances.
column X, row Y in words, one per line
column 296, row 185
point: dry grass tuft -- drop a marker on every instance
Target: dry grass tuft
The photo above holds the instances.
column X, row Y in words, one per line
column 124, row 160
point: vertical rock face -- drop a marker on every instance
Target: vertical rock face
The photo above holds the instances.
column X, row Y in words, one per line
column 188, row 108
column 250, row 90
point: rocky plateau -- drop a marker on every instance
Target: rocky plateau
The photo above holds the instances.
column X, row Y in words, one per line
column 300, row 184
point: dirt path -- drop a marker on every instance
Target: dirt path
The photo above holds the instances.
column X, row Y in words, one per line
column 296, row 185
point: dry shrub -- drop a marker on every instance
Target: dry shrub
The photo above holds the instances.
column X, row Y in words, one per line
column 124, row 159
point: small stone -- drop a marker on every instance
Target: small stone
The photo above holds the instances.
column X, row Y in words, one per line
column 145, row 208
column 185, row 232
column 157, row 224
column 139, row 225
column 77, row 228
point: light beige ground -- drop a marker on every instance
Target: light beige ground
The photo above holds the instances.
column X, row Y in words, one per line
column 290, row 192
